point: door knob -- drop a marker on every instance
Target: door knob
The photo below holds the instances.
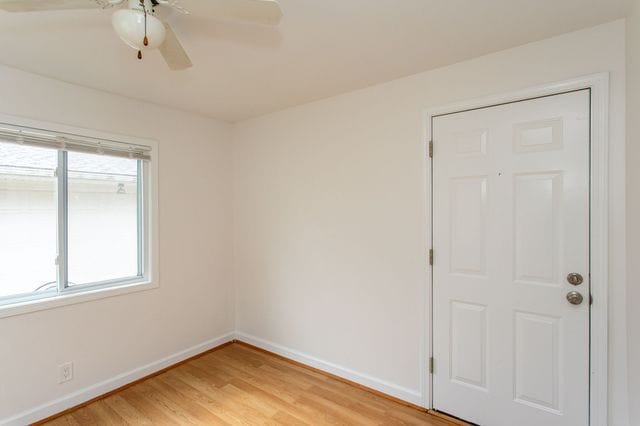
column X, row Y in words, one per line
column 575, row 279
column 574, row 298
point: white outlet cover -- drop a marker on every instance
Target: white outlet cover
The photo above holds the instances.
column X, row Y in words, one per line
column 65, row 372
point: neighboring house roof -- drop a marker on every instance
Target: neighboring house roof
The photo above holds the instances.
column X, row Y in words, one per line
column 29, row 161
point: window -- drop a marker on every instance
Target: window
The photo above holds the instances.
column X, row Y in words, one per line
column 102, row 218
column 73, row 214
column 27, row 219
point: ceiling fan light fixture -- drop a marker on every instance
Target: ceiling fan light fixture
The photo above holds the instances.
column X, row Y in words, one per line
column 130, row 26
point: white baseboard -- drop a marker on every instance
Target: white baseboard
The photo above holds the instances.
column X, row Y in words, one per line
column 408, row 395
column 86, row 394
column 76, row 398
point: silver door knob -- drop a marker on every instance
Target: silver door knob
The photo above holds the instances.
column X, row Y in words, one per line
column 574, row 298
column 575, row 279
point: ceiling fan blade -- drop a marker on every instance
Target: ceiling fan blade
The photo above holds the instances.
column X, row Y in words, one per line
column 43, row 5
column 265, row 12
column 173, row 52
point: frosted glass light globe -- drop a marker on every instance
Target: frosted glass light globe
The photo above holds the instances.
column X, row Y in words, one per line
column 129, row 25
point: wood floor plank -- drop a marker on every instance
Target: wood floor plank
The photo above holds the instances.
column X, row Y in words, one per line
column 125, row 410
column 85, row 416
column 137, row 397
column 105, row 414
column 284, row 418
column 239, row 385
column 226, row 405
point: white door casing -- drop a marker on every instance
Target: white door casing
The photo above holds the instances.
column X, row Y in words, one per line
column 510, row 221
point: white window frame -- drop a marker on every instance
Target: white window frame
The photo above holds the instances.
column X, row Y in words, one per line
column 147, row 278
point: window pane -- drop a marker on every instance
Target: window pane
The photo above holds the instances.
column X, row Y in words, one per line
column 28, row 219
column 103, row 219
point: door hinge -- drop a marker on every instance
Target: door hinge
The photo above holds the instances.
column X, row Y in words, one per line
column 431, row 257
column 430, row 149
column 431, row 365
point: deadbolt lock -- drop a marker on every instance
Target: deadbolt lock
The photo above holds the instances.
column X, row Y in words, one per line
column 575, row 279
column 574, row 298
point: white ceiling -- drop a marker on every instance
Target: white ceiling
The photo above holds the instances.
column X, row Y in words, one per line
column 321, row 48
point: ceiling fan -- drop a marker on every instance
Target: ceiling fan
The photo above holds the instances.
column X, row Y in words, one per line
column 140, row 23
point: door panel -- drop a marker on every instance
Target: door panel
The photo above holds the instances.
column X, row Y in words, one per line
column 510, row 222
column 469, row 344
column 468, row 225
column 537, row 220
column 537, row 377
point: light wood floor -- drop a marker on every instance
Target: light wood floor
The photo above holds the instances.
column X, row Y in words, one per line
column 240, row 385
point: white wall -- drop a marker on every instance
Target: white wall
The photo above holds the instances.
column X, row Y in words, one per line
column 194, row 303
column 633, row 207
column 330, row 217
column 330, row 212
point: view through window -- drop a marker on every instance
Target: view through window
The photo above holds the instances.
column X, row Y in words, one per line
column 28, row 219
column 98, row 223
column 103, row 220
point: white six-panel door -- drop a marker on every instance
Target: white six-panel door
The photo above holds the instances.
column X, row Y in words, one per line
column 510, row 223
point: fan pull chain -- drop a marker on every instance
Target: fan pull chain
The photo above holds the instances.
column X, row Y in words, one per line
column 146, row 40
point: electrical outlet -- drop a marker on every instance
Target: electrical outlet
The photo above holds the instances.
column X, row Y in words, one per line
column 65, row 372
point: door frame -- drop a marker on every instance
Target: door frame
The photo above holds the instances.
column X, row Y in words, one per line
column 598, row 227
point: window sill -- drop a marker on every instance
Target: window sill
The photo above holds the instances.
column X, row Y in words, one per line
column 30, row 306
